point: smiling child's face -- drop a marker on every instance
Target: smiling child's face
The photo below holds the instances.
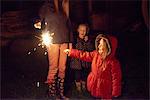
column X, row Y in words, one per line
column 82, row 31
column 102, row 47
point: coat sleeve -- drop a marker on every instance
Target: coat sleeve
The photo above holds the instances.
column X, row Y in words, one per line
column 116, row 78
column 83, row 55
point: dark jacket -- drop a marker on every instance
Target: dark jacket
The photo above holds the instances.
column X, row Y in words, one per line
column 56, row 23
column 80, row 44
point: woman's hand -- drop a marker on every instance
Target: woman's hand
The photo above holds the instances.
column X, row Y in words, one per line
column 37, row 25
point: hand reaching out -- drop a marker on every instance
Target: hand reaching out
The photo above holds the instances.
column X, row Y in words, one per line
column 67, row 51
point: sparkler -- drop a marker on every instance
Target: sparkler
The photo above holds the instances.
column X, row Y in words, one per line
column 45, row 40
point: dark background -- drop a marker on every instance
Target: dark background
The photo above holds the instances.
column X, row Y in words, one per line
column 20, row 72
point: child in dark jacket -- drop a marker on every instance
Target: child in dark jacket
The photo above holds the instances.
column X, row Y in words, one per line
column 81, row 68
column 104, row 80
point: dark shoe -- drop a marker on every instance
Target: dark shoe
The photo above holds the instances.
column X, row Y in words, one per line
column 52, row 90
column 84, row 90
column 78, row 89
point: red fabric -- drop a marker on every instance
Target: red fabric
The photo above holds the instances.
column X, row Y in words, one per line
column 103, row 82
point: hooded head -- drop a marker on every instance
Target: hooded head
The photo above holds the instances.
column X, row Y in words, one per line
column 111, row 43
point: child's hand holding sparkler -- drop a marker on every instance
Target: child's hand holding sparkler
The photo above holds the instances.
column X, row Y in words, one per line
column 67, row 51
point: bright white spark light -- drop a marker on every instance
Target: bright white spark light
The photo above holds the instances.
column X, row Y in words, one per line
column 34, row 49
column 45, row 53
column 46, row 39
column 38, row 84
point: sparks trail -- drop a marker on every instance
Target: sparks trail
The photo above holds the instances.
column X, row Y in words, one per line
column 45, row 40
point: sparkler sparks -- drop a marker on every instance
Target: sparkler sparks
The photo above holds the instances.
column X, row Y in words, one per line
column 45, row 40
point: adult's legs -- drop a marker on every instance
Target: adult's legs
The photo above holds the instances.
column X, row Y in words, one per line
column 53, row 57
column 62, row 60
column 61, row 71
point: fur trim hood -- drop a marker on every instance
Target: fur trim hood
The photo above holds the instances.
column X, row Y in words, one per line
column 111, row 43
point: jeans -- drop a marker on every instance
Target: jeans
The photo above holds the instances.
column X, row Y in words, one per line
column 57, row 61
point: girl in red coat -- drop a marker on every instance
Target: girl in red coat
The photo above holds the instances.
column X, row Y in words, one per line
column 104, row 80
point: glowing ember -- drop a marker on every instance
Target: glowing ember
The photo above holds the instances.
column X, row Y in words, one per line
column 39, row 44
column 34, row 49
column 45, row 53
column 38, row 84
column 29, row 53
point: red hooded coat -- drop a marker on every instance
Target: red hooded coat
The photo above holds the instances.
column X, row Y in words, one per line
column 103, row 81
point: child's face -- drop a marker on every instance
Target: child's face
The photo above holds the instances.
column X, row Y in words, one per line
column 102, row 47
column 82, row 31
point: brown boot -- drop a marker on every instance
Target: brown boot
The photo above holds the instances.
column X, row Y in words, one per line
column 60, row 85
column 83, row 86
column 78, row 86
column 79, row 90
column 52, row 90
